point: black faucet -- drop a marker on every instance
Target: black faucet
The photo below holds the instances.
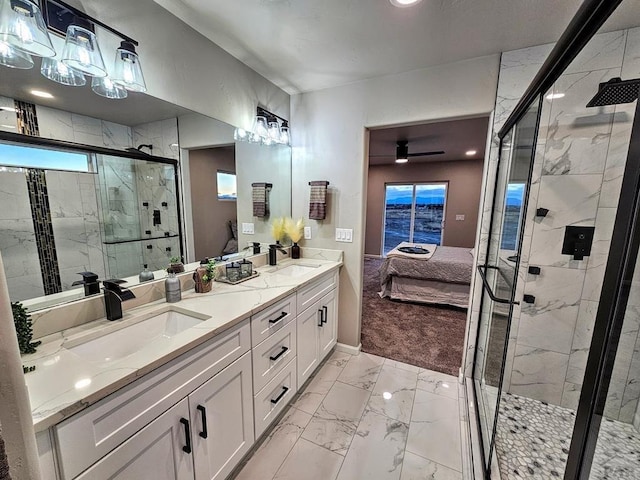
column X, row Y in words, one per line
column 114, row 295
column 273, row 248
column 90, row 282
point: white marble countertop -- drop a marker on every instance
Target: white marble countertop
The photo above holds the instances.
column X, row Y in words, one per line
column 64, row 383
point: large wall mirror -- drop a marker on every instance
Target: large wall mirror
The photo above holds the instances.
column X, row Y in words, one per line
column 90, row 184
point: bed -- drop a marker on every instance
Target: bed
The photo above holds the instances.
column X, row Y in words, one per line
column 443, row 276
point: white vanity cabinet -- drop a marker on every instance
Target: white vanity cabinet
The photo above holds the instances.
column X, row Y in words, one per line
column 317, row 324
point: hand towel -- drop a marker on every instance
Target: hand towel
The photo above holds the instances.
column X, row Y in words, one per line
column 318, row 200
column 260, row 199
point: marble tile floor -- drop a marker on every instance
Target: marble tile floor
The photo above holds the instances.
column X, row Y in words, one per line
column 533, row 441
column 365, row 417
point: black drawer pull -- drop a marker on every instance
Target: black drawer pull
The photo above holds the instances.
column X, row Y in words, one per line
column 279, row 397
column 203, row 412
column 282, row 352
column 276, row 320
column 326, row 314
column 187, row 434
column 320, row 320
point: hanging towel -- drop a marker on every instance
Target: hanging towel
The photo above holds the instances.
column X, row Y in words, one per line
column 261, row 199
column 318, row 200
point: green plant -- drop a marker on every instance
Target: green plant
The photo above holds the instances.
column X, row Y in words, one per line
column 174, row 260
column 22, row 321
column 212, row 271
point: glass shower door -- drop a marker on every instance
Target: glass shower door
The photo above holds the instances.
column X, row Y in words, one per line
column 499, row 273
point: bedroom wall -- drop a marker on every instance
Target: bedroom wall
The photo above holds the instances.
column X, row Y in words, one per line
column 210, row 231
column 333, row 144
column 464, row 178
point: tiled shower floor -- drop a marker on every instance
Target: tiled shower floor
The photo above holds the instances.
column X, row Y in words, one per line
column 533, row 440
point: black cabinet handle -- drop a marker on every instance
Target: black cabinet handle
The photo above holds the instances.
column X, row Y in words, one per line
column 282, row 352
column 276, row 320
column 279, row 397
column 187, row 434
column 325, row 315
column 203, row 412
column 320, row 322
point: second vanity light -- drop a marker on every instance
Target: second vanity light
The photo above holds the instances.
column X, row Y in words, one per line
column 268, row 129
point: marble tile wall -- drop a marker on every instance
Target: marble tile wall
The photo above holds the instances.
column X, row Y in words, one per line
column 76, row 224
column 156, row 185
column 163, row 135
column 577, row 175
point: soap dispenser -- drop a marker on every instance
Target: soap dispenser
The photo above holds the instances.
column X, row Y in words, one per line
column 145, row 275
column 173, row 291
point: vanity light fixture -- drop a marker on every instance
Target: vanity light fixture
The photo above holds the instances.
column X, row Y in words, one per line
column 41, row 94
column 104, row 87
column 268, row 129
column 285, row 136
column 13, row 58
column 404, row 3
column 260, row 127
column 22, row 26
column 81, row 50
column 58, row 72
column 274, row 129
column 127, row 71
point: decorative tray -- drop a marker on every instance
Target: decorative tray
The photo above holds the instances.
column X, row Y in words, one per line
column 226, row 280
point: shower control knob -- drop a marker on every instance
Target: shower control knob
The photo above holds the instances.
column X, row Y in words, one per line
column 528, row 299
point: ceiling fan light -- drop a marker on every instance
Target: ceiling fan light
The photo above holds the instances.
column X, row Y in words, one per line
column 22, row 26
column 81, row 50
column 127, row 70
column 13, row 58
column 104, row 87
column 58, row 72
column 402, row 160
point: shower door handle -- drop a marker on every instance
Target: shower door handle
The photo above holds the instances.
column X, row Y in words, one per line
column 483, row 274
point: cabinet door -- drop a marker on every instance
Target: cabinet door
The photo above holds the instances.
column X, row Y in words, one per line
column 155, row 452
column 328, row 333
column 222, row 420
column 307, row 334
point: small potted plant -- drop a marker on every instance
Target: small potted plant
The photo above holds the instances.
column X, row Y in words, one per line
column 294, row 230
column 175, row 265
column 204, row 275
column 24, row 331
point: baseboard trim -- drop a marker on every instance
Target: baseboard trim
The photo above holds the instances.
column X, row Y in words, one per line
column 343, row 347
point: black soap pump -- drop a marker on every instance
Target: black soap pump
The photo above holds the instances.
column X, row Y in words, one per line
column 256, row 248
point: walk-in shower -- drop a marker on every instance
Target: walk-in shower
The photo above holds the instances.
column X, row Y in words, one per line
column 556, row 366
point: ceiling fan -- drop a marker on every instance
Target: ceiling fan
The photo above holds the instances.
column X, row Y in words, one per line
column 403, row 155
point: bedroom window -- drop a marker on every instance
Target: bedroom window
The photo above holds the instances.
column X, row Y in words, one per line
column 413, row 213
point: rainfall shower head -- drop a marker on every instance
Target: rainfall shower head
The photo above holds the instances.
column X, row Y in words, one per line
column 615, row 92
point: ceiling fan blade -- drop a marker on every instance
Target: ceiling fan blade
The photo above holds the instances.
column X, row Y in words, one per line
column 426, row 154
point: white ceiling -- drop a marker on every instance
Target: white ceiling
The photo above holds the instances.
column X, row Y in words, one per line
column 305, row 45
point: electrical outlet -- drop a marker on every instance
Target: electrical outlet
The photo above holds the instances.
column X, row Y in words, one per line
column 344, row 235
column 247, row 228
column 307, row 233
column 459, row 217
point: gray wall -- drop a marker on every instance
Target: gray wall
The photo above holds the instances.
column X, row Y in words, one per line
column 464, row 178
column 210, row 215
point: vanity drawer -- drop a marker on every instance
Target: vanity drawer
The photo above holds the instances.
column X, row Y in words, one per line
column 308, row 295
column 272, row 319
column 89, row 435
column 272, row 355
column 272, row 399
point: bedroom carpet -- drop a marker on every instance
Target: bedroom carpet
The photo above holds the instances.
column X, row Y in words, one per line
column 427, row 336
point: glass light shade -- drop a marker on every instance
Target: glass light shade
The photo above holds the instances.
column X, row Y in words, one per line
column 59, row 72
column 260, row 128
column 274, row 130
column 127, row 70
column 240, row 135
column 285, row 135
column 22, row 27
column 104, row 87
column 81, row 50
column 14, row 58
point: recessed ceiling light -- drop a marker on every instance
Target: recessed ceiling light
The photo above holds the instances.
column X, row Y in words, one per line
column 41, row 94
column 471, row 152
column 404, row 3
column 402, row 160
column 553, row 96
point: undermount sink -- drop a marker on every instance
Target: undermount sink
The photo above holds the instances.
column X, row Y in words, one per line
column 295, row 270
column 156, row 329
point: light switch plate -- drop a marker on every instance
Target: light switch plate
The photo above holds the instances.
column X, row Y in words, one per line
column 307, row 233
column 459, row 217
column 247, row 228
column 344, row 235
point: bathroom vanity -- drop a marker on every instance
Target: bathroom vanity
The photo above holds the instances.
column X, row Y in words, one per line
column 182, row 391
